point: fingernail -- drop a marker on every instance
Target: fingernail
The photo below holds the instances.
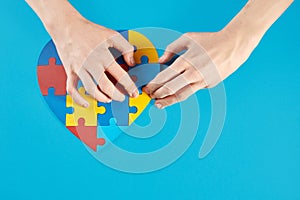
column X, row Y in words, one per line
column 108, row 101
column 146, row 90
column 120, row 98
column 85, row 105
column 132, row 61
column 158, row 105
column 161, row 58
column 135, row 94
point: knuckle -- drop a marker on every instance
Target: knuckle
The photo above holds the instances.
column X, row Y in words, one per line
column 170, row 101
column 170, row 48
column 70, row 90
column 189, row 34
column 190, row 77
column 130, row 87
column 113, row 32
column 167, row 90
column 108, row 88
column 129, row 47
column 102, row 98
column 157, row 94
column 69, row 87
column 164, row 91
column 90, row 90
column 181, row 97
column 110, row 34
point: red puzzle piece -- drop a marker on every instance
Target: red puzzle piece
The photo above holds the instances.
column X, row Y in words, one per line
column 87, row 134
column 52, row 75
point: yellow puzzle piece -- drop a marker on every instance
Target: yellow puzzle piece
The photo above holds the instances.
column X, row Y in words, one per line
column 140, row 103
column 144, row 47
column 89, row 114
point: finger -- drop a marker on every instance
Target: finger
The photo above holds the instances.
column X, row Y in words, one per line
column 91, row 87
column 109, row 89
column 123, row 79
column 72, row 82
column 170, row 73
column 171, row 87
column 180, row 95
column 174, row 48
column 127, row 50
column 105, row 84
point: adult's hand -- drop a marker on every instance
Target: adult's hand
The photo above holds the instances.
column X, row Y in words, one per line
column 211, row 57
column 83, row 47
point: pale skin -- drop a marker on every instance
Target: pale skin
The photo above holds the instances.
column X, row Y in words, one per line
column 209, row 58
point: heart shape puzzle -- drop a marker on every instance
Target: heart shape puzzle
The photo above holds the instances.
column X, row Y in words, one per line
column 84, row 122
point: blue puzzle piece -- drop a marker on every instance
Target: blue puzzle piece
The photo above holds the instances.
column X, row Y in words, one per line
column 49, row 51
column 117, row 110
column 124, row 33
column 58, row 105
column 144, row 73
column 120, row 111
column 103, row 119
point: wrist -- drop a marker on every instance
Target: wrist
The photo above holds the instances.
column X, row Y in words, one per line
column 58, row 23
column 252, row 22
column 56, row 15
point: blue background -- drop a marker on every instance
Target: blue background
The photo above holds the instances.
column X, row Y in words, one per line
column 257, row 156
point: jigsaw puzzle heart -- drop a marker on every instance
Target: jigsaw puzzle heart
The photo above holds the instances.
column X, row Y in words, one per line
column 83, row 122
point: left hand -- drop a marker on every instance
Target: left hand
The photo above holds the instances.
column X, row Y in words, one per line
column 208, row 60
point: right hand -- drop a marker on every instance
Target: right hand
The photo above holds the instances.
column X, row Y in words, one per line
column 84, row 51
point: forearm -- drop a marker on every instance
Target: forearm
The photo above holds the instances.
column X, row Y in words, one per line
column 256, row 18
column 56, row 15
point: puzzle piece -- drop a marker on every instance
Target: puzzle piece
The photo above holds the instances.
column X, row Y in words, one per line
column 57, row 104
column 143, row 46
column 139, row 103
column 103, row 119
column 143, row 74
column 89, row 114
column 115, row 110
column 49, row 51
column 87, row 134
column 52, row 75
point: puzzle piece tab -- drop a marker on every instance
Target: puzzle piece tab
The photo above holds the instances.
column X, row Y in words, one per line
column 49, row 51
column 88, row 114
column 52, row 76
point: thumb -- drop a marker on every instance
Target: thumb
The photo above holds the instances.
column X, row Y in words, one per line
column 174, row 48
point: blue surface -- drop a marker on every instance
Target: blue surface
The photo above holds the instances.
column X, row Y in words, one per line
column 57, row 103
column 257, row 156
